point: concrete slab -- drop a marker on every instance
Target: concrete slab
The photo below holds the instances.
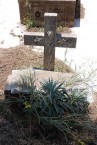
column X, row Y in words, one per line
column 17, row 82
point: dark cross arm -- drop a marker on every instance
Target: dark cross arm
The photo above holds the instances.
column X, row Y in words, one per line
column 34, row 38
column 62, row 40
column 66, row 40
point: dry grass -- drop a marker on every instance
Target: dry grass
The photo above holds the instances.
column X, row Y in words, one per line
column 61, row 29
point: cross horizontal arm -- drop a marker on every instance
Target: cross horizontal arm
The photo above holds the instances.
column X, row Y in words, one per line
column 66, row 40
column 62, row 40
column 34, row 38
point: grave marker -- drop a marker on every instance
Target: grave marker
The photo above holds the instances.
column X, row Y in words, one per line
column 35, row 9
column 50, row 39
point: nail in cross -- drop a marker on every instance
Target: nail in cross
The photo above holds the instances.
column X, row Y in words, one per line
column 50, row 39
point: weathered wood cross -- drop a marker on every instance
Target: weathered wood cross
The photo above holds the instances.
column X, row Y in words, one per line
column 50, row 39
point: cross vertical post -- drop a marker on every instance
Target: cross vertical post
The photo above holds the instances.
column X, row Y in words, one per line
column 50, row 20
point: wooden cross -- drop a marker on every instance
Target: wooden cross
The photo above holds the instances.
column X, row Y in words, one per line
column 50, row 39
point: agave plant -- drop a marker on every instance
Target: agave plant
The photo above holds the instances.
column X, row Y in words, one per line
column 53, row 95
column 77, row 101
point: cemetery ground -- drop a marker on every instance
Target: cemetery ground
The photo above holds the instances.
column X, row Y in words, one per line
column 14, row 130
